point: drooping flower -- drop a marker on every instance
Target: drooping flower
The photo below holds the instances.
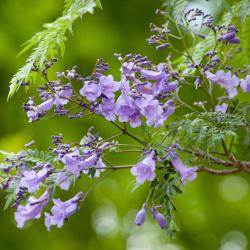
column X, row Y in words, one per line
column 91, row 91
column 221, row 108
column 108, row 86
column 144, row 170
column 62, row 211
column 186, row 173
column 140, row 216
column 245, row 84
column 32, row 210
column 159, row 217
column 226, row 80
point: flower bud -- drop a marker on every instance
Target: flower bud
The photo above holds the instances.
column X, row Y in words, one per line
column 140, row 217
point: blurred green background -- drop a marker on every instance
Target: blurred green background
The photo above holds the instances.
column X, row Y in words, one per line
column 213, row 213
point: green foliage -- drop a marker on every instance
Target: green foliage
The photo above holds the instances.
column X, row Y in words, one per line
column 12, row 191
column 206, row 130
column 244, row 35
column 239, row 12
column 35, row 156
column 175, row 8
column 47, row 43
column 164, row 190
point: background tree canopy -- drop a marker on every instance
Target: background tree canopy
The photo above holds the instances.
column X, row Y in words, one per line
column 213, row 213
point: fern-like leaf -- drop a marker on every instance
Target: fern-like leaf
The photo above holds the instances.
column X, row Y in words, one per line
column 48, row 42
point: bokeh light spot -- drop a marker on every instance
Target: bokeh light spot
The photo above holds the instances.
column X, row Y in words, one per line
column 234, row 188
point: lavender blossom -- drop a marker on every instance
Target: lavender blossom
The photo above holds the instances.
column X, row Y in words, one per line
column 62, row 211
column 187, row 174
column 108, row 86
column 140, row 216
column 62, row 96
column 151, row 109
column 107, row 109
column 153, row 75
column 144, row 170
column 128, row 111
column 226, row 80
column 168, row 109
column 32, row 180
column 245, row 84
column 91, row 91
column 34, row 113
column 159, row 217
column 230, row 36
column 32, row 210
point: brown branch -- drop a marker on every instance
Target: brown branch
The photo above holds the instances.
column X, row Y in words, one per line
column 209, row 157
column 217, row 171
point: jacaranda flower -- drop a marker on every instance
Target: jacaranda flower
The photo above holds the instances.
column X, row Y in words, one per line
column 62, row 211
column 32, row 210
column 144, row 170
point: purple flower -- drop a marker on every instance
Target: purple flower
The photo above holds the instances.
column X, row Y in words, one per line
column 71, row 162
column 31, row 180
column 165, row 87
column 91, row 91
column 63, row 181
column 145, row 88
column 153, row 75
column 32, row 210
column 88, row 160
column 159, row 217
column 245, row 84
column 230, row 37
column 221, row 108
column 144, row 170
column 108, row 86
column 62, row 211
column 168, row 109
column 75, row 163
column 62, row 96
column 185, row 172
column 128, row 111
column 107, row 109
column 34, row 113
column 151, row 109
column 140, row 216
column 225, row 80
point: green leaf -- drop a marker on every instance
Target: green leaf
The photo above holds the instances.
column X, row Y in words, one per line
column 47, row 43
column 99, row 4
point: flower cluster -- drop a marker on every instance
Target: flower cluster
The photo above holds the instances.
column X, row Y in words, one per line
column 34, row 174
column 144, row 90
column 230, row 82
